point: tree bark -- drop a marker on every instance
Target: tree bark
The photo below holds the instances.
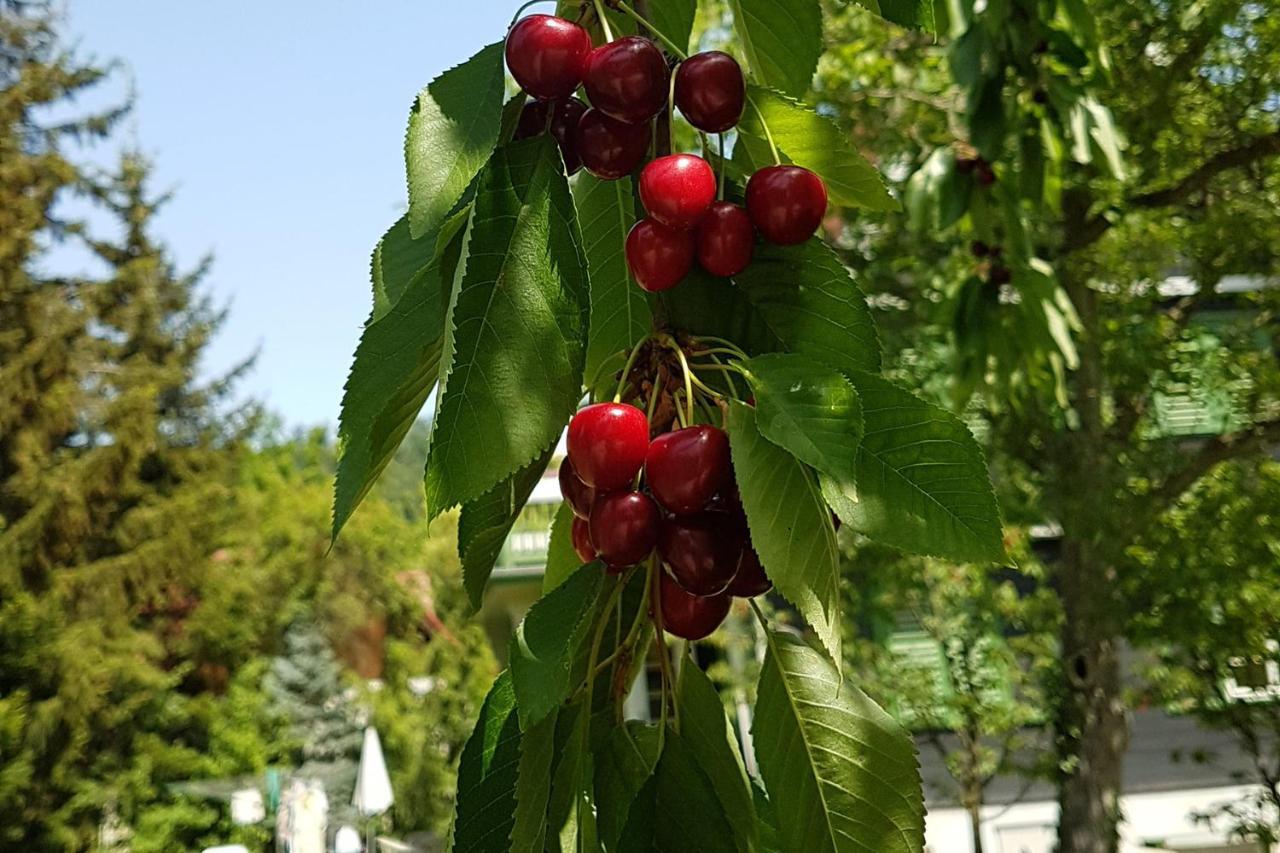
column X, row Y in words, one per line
column 975, row 823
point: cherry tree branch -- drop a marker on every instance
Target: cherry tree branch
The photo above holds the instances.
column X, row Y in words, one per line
column 1256, row 149
column 1214, row 452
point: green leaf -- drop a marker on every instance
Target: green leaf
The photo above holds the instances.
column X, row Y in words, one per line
column 790, row 525
column 516, row 329
column 809, row 409
column 922, row 481
column 562, row 559
column 486, row 799
column 807, row 139
column 908, row 13
column 395, row 367
column 766, row 820
column 571, row 812
column 620, row 314
column 706, row 305
column 987, row 119
column 453, row 128
column 537, row 754
column 674, row 19
column 841, row 774
column 485, row 522
column 937, row 195
column 547, row 641
column 691, row 817
column 782, row 40
column 804, row 294
column 706, row 731
column 624, row 763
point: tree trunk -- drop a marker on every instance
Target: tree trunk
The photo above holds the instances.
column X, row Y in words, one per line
column 975, row 823
column 1092, row 726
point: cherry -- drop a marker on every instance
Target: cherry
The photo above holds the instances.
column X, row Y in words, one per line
column 658, row 257
column 624, row 527
column 786, row 203
column 710, row 91
column 576, row 493
column 610, row 149
column 750, row 580
column 677, row 189
column 690, row 617
column 582, row 540
column 627, row 79
column 684, row 469
column 607, row 444
column 726, row 239
column 565, row 115
column 547, row 55
column 702, row 551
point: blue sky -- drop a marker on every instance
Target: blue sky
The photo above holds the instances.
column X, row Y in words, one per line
column 279, row 126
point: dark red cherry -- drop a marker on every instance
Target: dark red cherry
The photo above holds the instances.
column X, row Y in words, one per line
column 576, row 493
column 607, row 445
column 688, row 616
column 684, row 469
column 547, row 55
column 710, row 91
column 624, row 527
column 610, row 149
column 658, row 257
column 677, row 189
column 627, row 79
column 565, row 115
column 582, row 540
column 786, row 203
column 750, row 580
column 702, row 551
column 726, row 239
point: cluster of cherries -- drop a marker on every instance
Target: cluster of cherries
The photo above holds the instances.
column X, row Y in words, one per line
column 675, row 495
column 627, row 82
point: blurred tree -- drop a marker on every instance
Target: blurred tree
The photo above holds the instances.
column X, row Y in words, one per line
column 1062, row 163
column 958, row 655
column 1208, row 607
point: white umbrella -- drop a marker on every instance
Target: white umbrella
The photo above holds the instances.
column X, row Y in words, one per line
column 373, row 786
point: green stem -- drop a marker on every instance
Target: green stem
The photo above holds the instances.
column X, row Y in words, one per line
column 626, row 369
column 720, row 150
column 768, row 134
column 728, row 374
column 729, row 345
column 520, row 11
column 604, row 21
column 635, row 16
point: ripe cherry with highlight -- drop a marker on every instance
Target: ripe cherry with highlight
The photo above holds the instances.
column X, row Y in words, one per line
column 624, row 527
column 627, row 79
column 684, row 469
column 702, row 551
column 565, row 115
column 582, row 540
column 607, row 445
column 710, row 91
column 576, row 493
column 547, row 55
column 658, row 257
column 786, row 203
column 677, row 189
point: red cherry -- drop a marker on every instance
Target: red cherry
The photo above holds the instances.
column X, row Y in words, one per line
column 690, row 617
column 750, row 580
column 576, row 493
column 786, row 203
column 564, row 124
column 607, row 444
column 677, row 189
column 547, row 55
column 658, row 257
column 702, row 551
column 726, row 239
column 624, row 527
column 610, row 149
column 684, row 469
column 710, row 91
column 582, row 540
column 627, row 79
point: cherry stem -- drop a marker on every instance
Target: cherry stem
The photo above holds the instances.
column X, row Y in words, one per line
column 520, row 11
column 626, row 369
column 728, row 373
column 604, row 21
column 729, row 345
column 655, row 596
column 673, row 344
column 768, row 135
column 720, row 149
column 639, row 19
